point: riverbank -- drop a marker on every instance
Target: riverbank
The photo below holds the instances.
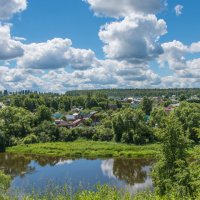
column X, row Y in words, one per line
column 92, row 149
column 88, row 149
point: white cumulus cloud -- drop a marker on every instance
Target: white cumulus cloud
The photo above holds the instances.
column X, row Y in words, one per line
column 9, row 47
column 10, row 7
column 134, row 39
column 121, row 8
column 55, row 53
column 185, row 69
column 178, row 9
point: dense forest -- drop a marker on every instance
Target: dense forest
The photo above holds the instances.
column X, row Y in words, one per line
column 120, row 93
column 139, row 92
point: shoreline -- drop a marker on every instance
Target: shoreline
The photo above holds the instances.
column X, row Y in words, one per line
column 87, row 149
column 91, row 150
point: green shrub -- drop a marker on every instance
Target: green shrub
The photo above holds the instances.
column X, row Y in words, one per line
column 4, row 185
column 67, row 135
column 87, row 132
column 30, row 139
column 103, row 134
column 14, row 141
column 47, row 132
column 88, row 122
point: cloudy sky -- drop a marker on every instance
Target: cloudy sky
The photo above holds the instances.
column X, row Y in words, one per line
column 60, row 45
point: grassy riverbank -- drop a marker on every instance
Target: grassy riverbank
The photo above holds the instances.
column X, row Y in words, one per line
column 88, row 149
column 92, row 149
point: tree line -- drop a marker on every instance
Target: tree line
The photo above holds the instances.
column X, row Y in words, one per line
column 28, row 119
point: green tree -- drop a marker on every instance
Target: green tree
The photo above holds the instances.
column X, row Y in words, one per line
column 118, row 127
column 65, row 103
column 189, row 116
column 90, row 101
column 103, row 134
column 147, row 105
column 129, row 126
column 17, row 101
column 29, row 104
column 55, row 104
column 16, row 122
column 88, row 122
column 158, row 117
column 43, row 113
column 172, row 172
column 47, row 132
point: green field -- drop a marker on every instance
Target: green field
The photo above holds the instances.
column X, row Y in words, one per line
column 88, row 149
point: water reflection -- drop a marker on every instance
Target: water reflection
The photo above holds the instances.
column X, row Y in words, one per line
column 134, row 172
column 107, row 168
column 28, row 171
column 131, row 171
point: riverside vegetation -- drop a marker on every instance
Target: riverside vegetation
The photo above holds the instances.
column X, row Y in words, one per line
column 87, row 149
column 27, row 123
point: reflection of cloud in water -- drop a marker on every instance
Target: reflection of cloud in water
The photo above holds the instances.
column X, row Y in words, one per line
column 148, row 184
column 146, row 169
column 107, row 168
column 64, row 162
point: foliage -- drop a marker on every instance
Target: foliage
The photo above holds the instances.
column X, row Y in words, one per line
column 189, row 116
column 100, row 192
column 29, row 104
column 67, row 135
column 5, row 181
column 158, row 117
column 47, row 132
column 43, row 113
column 138, row 92
column 103, row 134
column 172, row 169
column 30, row 139
column 130, row 127
column 147, row 105
column 88, row 122
column 16, row 123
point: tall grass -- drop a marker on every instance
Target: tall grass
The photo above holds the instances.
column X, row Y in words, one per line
column 102, row 192
column 88, row 149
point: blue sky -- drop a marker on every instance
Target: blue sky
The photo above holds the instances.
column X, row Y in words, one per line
column 63, row 45
column 44, row 20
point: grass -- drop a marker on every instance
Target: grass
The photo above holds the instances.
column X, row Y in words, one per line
column 103, row 192
column 92, row 149
column 88, row 149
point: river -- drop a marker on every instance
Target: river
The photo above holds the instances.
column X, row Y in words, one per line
column 37, row 173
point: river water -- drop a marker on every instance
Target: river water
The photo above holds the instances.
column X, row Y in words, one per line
column 36, row 173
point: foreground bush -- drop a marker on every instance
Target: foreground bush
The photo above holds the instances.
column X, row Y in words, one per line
column 101, row 193
column 4, row 184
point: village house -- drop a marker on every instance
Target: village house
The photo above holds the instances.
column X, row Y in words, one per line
column 75, row 119
column 171, row 107
column 135, row 103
